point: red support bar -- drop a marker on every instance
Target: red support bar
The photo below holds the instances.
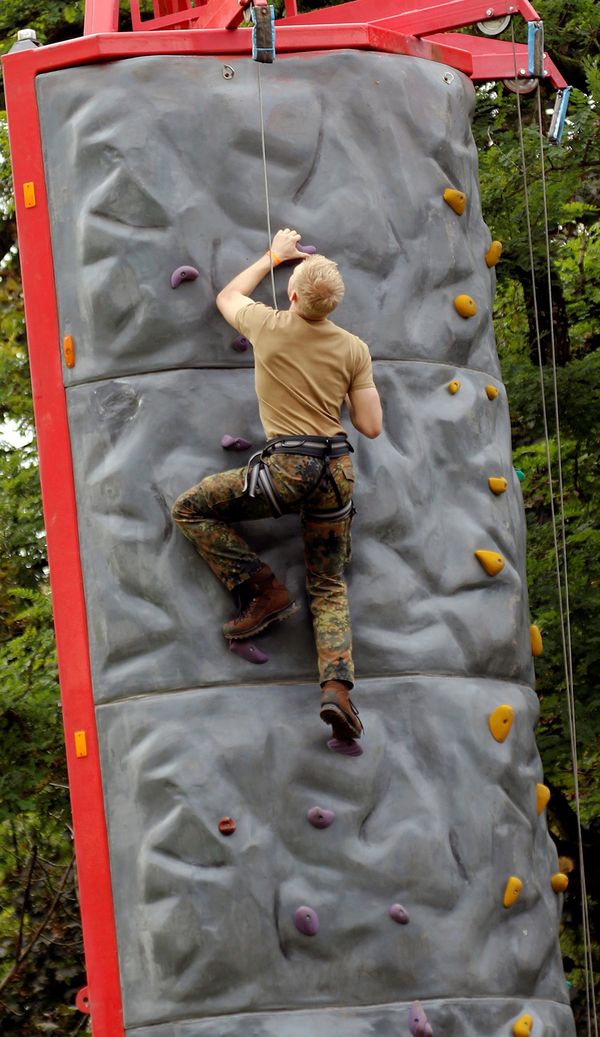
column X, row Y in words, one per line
column 60, row 513
column 220, row 14
column 423, row 19
column 480, row 57
column 101, row 16
column 495, row 59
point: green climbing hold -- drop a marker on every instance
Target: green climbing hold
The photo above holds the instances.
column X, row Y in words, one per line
column 520, row 474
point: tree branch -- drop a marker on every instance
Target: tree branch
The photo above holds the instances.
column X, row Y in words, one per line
column 38, row 932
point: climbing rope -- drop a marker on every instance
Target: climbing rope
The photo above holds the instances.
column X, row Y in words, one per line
column 591, row 994
column 266, row 179
column 563, row 593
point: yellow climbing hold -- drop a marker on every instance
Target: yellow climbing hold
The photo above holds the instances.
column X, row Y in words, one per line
column 497, row 484
column 453, row 386
column 491, row 392
column 537, row 645
column 542, row 797
column 512, row 891
column 523, row 1025
column 501, row 721
column 493, row 253
column 456, row 200
column 559, row 882
column 465, row 305
column 492, row 562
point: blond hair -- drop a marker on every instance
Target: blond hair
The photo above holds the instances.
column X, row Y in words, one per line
column 318, row 286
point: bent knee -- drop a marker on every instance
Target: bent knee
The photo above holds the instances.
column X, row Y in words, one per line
column 190, row 506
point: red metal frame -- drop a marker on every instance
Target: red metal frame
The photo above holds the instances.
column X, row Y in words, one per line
column 383, row 25
column 413, row 27
column 56, row 471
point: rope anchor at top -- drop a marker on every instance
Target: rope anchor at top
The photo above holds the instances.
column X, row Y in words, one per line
column 263, row 31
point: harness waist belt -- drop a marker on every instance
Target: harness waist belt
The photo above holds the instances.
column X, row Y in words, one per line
column 309, row 446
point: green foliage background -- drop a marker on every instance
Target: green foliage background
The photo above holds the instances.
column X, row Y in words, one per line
column 41, row 959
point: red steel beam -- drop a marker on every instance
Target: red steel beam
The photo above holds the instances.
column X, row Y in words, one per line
column 101, row 16
column 220, row 14
column 60, row 514
column 479, row 57
column 420, row 20
column 495, row 59
column 376, row 10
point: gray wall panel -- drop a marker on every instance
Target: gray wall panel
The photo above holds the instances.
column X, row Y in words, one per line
column 419, row 598
column 206, row 921
column 134, row 196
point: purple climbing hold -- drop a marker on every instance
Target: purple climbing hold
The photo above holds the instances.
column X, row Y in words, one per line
column 319, row 817
column 399, row 914
column 241, row 344
column 309, row 249
column 306, row 921
column 418, row 1023
column 183, row 273
column 249, row 652
column 345, row 746
column 235, row 442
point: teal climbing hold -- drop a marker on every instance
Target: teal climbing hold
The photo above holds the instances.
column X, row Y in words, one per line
column 520, row 474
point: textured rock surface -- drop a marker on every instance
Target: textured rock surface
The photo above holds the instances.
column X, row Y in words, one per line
column 435, row 815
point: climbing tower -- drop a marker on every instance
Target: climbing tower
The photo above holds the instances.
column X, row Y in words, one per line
column 236, row 876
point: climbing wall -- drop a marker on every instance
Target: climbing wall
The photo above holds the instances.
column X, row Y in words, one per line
column 154, row 163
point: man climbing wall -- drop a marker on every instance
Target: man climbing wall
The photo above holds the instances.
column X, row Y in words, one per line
column 306, row 367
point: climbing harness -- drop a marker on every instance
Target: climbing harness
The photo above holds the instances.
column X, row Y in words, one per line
column 560, row 552
column 259, row 480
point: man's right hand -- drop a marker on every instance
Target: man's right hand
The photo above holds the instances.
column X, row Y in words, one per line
column 284, row 245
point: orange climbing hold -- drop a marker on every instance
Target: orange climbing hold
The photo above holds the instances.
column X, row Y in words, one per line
column 512, row 891
column 501, row 721
column 456, row 200
column 537, row 644
column 523, row 1025
column 559, row 882
column 497, row 484
column 491, row 392
column 542, row 797
column 465, row 305
column 493, row 253
column 492, row 562
column 453, row 386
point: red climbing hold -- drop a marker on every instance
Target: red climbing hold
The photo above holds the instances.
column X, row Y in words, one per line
column 346, row 747
column 249, row 652
column 306, row 921
column 227, row 826
column 235, row 443
column 183, row 273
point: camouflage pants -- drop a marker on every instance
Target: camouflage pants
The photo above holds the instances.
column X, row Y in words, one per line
column 205, row 512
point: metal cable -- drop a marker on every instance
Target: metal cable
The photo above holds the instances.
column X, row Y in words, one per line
column 565, row 639
column 569, row 653
column 266, row 179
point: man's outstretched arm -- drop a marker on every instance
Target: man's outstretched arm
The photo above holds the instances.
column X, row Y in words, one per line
column 237, row 293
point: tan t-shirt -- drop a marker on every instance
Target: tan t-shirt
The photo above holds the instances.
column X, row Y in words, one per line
column 303, row 370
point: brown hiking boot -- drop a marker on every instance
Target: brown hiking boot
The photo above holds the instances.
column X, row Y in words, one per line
column 263, row 600
column 338, row 710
